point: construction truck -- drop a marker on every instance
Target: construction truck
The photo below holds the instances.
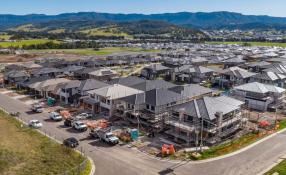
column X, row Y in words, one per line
column 104, row 135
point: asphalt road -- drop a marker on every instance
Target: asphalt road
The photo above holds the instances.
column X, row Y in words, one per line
column 120, row 160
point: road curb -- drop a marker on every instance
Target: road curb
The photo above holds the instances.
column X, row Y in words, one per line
column 92, row 171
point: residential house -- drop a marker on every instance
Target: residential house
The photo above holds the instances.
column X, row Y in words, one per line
column 234, row 76
column 47, row 72
column 154, row 71
column 70, row 70
column 15, row 76
column 69, row 90
column 232, row 62
column 214, row 118
column 106, row 100
column 48, row 87
column 271, row 78
column 83, row 74
column 260, row 96
column 194, row 74
column 103, row 74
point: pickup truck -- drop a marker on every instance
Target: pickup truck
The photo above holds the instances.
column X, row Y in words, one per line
column 37, row 108
column 55, row 116
column 80, row 126
column 105, row 135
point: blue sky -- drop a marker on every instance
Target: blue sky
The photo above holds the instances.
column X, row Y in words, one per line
column 255, row 7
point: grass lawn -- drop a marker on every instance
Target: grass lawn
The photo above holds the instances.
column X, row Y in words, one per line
column 280, row 168
column 270, row 44
column 24, row 151
column 20, row 43
column 104, row 51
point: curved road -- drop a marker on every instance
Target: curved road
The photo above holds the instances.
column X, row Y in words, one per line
column 119, row 160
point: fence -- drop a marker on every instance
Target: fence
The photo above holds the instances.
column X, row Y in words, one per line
column 77, row 170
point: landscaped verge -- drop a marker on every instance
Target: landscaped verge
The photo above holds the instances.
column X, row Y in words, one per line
column 226, row 148
column 25, row 151
column 280, row 169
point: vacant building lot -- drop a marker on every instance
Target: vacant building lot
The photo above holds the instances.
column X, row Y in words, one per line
column 24, row 151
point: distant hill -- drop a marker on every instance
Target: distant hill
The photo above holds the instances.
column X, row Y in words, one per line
column 130, row 29
column 191, row 20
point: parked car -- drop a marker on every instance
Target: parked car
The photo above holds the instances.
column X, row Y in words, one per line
column 35, row 124
column 80, row 126
column 83, row 116
column 71, row 142
column 55, row 116
column 37, row 108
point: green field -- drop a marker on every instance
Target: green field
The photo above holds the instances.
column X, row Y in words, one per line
column 112, row 31
column 20, row 43
column 24, row 151
column 104, row 51
column 269, row 44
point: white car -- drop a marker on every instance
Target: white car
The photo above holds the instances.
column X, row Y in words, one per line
column 83, row 116
column 55, row 116
column 35, row 124
column 80, row 126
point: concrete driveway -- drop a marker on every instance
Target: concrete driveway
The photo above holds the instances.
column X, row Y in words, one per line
column 119, row 160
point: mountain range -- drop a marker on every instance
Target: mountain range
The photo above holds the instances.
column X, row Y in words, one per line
column 199, row 20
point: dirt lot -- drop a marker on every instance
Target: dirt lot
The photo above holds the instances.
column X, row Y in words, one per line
column 17, row 58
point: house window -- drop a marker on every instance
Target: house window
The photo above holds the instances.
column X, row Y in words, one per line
column 152, row 108
column 147, row 106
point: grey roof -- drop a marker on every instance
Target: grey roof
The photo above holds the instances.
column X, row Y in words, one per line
column 197, row 69
column 238, row 72
column 46, row 70
column 259, row 64
column 72, row 68
column 127, row 81
column 33, row 80
column 136, row 99
column 158, row 97
column 270, row 76
column 259, row 88
column 207, row 107
column 91, row 84
column 15, row 74
column 148, row 85
column 157, row 67
column 72, row 84
column 115, row 91
column 277, row 68
column 191, row 90
column 87, row 70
